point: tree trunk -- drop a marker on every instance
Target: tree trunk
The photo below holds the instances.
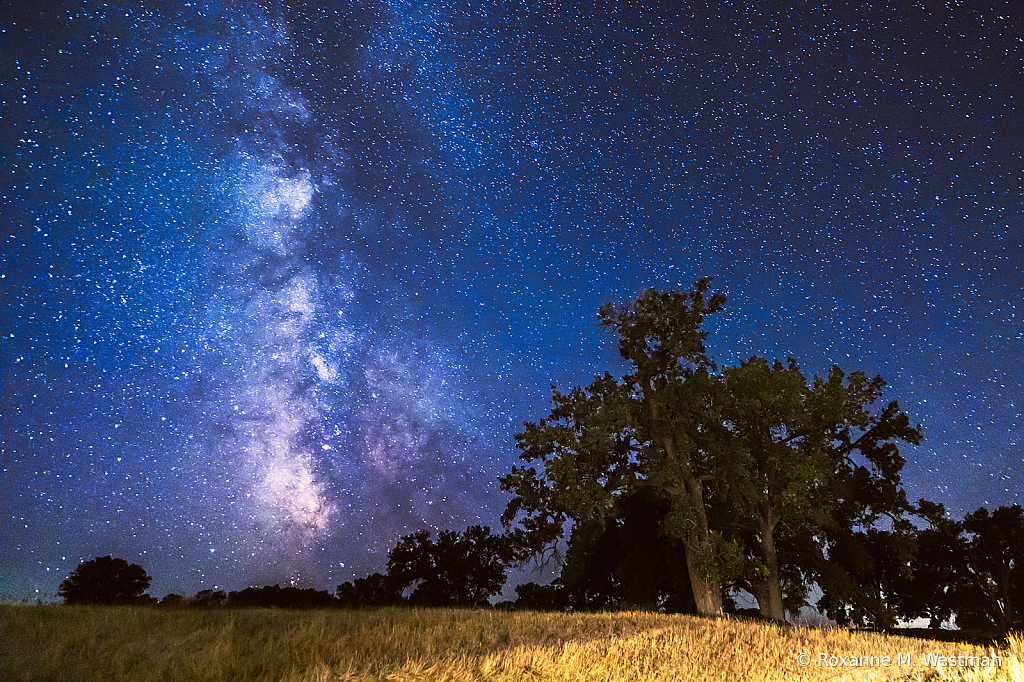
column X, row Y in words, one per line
column 707, row 589
column 1009, row 611
column 769, row 599
column 707, row 592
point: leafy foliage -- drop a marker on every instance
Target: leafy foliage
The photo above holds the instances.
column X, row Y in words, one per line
column 866, row 577
column 810, row 462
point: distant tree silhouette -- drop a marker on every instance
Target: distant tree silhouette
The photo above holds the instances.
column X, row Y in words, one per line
column 938, row 563
column 105, row 580
column 972, row 570
column 371, row 592
column 173, row 601
column 460, row 569
column 206, row 599
column 534, row 597
column 281, row 597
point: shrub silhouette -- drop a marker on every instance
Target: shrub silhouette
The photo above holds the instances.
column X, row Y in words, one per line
column 105, row 580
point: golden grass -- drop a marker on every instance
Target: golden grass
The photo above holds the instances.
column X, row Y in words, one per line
column 398, row 645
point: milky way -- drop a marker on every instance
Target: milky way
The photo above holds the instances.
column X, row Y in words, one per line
column 281, row 281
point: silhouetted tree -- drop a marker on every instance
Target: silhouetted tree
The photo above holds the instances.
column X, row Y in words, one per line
column 992, row 587
column 281, row 597
column 626, row 561
column 372, row 591
column 460, row 569
column 174, row 601
column 938, row 563
column 972, row 570
column 208, row 599
column 867, row 579
column 105, row 580
column 588, row 580
column 534, row 597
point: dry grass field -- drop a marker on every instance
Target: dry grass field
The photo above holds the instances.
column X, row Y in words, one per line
column 111, row 644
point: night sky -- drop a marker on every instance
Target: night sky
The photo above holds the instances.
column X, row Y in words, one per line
column 280, row 281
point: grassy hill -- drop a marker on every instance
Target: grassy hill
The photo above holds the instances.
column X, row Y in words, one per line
column 139, row 644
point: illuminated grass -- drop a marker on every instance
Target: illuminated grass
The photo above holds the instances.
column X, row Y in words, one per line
column 141, row 644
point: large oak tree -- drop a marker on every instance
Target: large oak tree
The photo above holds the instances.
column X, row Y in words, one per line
column 746, row 459
column 806, row 461
column 655, row 428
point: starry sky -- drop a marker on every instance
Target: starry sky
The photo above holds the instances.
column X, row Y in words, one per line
column 281, row 280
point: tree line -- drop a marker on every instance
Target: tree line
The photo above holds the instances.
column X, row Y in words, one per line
column 968, row 569
column 456, row 570
column 681, row 483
